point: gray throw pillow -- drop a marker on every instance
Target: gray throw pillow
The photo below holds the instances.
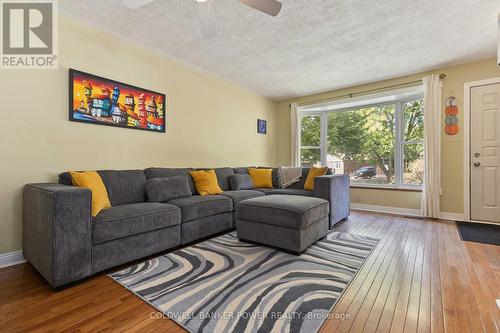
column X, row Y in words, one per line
column 241, row 182
column 168, row 188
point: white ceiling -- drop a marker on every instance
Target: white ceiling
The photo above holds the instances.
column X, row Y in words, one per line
column 312, row 45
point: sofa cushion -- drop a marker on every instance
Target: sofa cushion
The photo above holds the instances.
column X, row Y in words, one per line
column 126, row 220
column 305, row 172
column 197, row 229
column 241, row 195
column 266, row 191
column 65, row 179
column 287, row 211
column 92, row 181
column 242, row 170
column 287, row 191
column 196, row 207
column 241, row 182
column 223, row 175
column 261, row 177
column 206, row 182
column 313, row 173
column 171, row 172
column 274, row 176
column 124, row 186
column 168, row 188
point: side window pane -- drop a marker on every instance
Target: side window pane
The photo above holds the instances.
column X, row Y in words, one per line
column 310, row 131
column 413, row 164
column 361, row 144
column 310, row 157
column 413, row 120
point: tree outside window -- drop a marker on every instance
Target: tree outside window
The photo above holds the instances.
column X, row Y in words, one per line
column 310, row 139
column 375, row 145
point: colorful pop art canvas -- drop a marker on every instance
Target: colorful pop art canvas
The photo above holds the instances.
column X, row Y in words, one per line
column 97, row 100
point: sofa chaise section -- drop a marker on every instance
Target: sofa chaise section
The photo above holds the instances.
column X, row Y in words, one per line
column 288, row 222
column 336, row 190
column 331, row 187
column 286, row 191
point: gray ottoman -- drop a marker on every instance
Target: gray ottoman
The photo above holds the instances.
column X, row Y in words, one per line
column 289, row 222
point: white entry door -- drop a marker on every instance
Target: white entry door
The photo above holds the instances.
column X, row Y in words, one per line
column 485, row 153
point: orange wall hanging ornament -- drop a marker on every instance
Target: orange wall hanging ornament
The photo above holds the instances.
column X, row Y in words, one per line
column 451, row 112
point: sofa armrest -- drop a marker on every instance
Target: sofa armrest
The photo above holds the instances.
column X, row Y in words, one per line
column 57, row 231
column 335, row 189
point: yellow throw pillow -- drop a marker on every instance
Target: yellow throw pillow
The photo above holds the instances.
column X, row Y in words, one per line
column 206, row 182
column 261, row 178
column 92, row 181
column 313, row 173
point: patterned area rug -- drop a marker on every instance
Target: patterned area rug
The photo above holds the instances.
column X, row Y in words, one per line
column 224, row 285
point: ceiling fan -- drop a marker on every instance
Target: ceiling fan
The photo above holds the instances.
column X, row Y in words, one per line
column 270, row 7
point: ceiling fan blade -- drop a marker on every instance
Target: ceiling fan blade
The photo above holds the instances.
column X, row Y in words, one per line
column 206, row 19
column 134, row 4
column 270, row 7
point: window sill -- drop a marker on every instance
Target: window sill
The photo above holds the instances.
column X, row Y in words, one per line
column 390, row 188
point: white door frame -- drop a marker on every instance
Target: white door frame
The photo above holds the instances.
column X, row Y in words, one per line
column 467, row 119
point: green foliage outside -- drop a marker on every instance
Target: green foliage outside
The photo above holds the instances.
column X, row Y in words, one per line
column 368, row 135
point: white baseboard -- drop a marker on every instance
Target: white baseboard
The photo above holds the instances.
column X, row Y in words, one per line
column 387, row 209
column 16, row 257
column 11, row 258
column 404, row 211
column 451, row 216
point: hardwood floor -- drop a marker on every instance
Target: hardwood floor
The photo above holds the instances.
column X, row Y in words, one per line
column 420, row 278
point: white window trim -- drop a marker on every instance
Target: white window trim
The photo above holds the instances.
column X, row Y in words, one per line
column 394, row 97
column 322, row 143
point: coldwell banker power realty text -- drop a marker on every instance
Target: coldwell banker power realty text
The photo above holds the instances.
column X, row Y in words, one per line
column 29, row 34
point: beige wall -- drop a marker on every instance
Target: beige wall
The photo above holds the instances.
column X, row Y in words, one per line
column 210, row 121
column 452, row 152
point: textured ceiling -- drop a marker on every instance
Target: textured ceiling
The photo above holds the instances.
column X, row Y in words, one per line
column 312, row 45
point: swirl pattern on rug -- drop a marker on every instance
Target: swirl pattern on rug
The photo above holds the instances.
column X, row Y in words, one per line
column 225, row 285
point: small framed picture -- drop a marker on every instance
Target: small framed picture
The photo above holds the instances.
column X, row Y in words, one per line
column 261, row 126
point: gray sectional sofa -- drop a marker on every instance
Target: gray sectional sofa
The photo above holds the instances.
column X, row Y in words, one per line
column 65, row 243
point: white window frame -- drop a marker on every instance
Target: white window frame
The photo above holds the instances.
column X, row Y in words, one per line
column 322, row 141
column 397, row 98
column 401, row 143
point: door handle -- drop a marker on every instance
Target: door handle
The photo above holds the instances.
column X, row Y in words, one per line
column 476, row 164
column 477, row 154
